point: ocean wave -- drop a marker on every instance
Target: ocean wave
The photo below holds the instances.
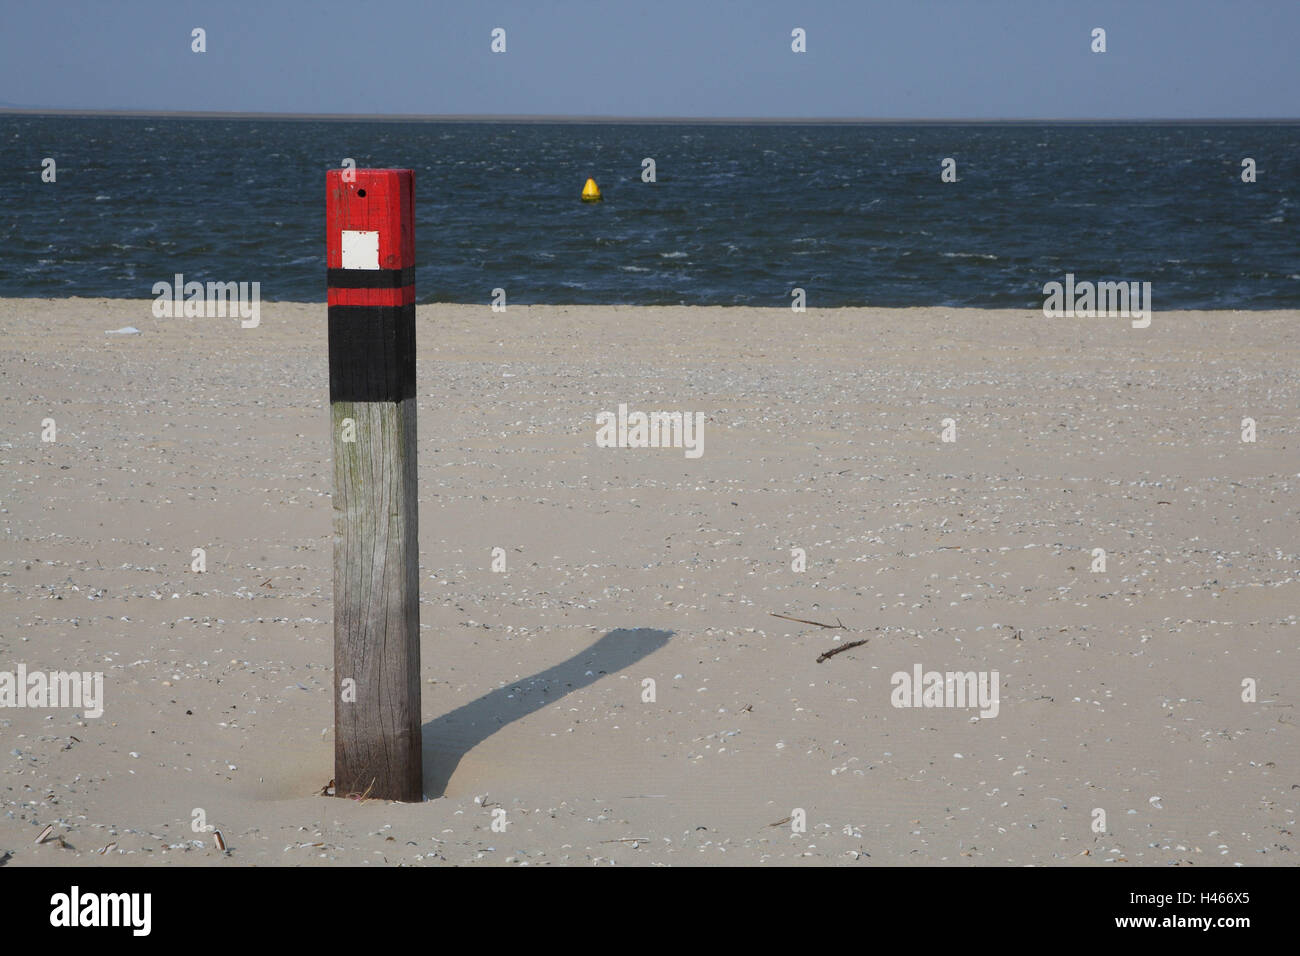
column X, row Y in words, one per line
column 741, row 200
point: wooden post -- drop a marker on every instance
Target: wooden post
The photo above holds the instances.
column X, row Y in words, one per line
column 370, row 258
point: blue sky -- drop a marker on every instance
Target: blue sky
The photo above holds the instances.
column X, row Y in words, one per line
column 931, row 59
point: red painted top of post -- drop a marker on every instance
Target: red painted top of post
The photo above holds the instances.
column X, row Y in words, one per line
column 378, row 201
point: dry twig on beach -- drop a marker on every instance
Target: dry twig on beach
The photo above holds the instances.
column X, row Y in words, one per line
column 362, row 796
column 838, row 625
column 843, row 647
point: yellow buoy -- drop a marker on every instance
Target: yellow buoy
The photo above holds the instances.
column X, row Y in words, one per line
column 591, row 192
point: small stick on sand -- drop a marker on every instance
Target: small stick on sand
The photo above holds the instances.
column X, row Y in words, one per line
column 843, row 647
column 362, row 796
column 838, row 625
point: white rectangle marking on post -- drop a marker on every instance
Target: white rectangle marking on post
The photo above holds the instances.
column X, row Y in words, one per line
column 360, row 249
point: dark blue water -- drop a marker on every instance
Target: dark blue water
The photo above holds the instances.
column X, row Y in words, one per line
column 855, row 215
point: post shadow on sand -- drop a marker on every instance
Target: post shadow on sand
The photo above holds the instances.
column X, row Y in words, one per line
column 448, row 738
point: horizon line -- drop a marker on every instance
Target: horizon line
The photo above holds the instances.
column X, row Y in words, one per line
column 779, row 307
column 630, row 120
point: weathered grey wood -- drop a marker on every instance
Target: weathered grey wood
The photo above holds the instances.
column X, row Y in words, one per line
column 377, row 746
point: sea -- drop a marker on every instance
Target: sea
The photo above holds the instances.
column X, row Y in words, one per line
column 734, row 214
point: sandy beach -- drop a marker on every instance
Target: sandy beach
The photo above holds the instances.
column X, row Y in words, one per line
column 1118, row 690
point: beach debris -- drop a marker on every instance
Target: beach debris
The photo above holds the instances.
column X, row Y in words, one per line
column 124, row 330
column 838, row 625
column 362, row 796
column 106, row 849
column 327, row 790
column 837, row 650
column 781, row 823
column 44, row 835
column 219, row 840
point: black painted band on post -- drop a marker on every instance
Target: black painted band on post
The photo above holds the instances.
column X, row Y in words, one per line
column 369, row 278
column 372, row 353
